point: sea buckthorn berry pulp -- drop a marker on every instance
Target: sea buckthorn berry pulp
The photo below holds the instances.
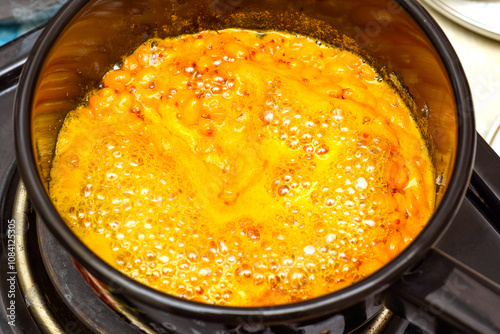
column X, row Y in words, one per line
column 243, row 168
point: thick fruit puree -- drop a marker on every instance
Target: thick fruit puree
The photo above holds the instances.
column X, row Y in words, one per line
column 243, row 168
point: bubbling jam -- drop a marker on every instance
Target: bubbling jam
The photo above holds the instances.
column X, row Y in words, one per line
column 242, row 168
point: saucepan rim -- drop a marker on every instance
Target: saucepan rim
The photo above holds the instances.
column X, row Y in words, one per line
column 324, row 305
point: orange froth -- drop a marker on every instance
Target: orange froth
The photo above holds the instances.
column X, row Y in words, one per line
column 243, row 168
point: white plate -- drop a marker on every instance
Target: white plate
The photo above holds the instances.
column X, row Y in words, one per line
column 481, row 16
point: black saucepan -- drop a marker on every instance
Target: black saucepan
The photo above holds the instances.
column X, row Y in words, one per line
column 87, row 37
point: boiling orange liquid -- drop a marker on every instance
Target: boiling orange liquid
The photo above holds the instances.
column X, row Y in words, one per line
column 243, row 168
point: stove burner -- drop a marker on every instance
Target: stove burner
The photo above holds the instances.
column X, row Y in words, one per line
column 49, row 287
column 67, row 281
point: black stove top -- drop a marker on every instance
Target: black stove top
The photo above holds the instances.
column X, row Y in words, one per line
column 43, row 292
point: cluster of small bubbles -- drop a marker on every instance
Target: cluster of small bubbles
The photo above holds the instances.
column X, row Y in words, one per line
column 296, row 130
column 342, row 202
column 207, row 84
column 110, row 193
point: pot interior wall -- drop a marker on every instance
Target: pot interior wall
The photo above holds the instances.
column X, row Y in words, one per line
column 105, row 30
